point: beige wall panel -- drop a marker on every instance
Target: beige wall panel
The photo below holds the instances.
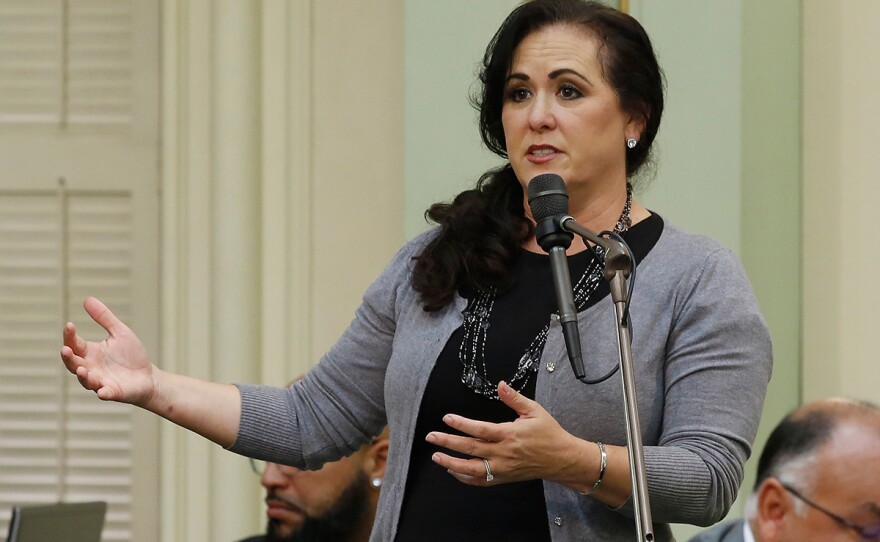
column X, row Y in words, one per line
column 282, row 128
column 358, row 159
column 841, row 112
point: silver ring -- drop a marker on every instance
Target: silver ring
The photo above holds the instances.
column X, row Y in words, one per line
column 489, row 476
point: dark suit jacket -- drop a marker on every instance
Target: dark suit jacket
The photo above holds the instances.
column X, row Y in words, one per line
column 728, row 531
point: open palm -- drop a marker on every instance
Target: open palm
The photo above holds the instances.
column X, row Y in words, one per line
column 117, row 368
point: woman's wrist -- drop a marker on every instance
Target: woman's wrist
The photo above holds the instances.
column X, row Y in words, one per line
column 584, row 469
column 154, row 400
column 603, row 464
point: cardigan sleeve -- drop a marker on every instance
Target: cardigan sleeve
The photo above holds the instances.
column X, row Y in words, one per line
column 718, row 365
column 339, row 405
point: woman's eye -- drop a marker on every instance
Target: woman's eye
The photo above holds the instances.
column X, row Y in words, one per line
column 569, row 92
column 518, row 94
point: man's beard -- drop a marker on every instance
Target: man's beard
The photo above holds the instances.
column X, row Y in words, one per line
column 339, row 523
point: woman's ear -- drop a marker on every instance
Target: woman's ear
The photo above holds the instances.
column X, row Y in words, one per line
column 636, row 126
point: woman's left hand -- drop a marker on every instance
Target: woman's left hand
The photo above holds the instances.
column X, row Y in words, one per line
column 534, row 446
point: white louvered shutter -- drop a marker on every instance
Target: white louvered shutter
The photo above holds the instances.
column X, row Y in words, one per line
column 78, row 217
column 66, row 61
column 56, row 441
column 98, row 62
column 30, row 61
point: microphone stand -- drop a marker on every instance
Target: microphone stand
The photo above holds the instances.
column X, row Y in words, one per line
column 618, row 266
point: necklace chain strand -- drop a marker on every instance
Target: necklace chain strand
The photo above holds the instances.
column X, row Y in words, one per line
column 476, row 316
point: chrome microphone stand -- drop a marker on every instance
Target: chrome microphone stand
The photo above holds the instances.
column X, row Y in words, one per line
column 618, row 267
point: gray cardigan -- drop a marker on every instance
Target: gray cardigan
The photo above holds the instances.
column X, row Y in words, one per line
column 702, row 359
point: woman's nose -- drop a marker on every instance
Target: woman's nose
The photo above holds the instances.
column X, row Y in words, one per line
column 541, row 114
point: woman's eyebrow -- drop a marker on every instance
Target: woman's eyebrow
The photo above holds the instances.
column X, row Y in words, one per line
column 553, row 75
column 520, row 76
column 562, row 71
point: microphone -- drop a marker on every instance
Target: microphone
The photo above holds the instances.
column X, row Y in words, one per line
column 548, row 200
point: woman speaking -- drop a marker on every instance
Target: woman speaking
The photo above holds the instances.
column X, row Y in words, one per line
column 456, row 347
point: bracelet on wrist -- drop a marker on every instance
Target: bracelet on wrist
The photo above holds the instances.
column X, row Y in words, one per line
column 603, row 461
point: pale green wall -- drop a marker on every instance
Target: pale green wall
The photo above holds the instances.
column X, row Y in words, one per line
column 729, row 146
column 698, row 148
column 444, row 44
column 729, row 159
column 771, row 191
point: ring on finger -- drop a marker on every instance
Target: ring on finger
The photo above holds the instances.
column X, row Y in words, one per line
column 489, row 476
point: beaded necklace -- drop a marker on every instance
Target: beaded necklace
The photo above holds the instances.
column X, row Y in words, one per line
column 476, row 316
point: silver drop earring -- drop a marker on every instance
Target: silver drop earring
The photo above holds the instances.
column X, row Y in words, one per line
column 376, row 482
column 631, row 143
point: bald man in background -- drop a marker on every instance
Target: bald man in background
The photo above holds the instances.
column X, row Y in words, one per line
column 818, row 479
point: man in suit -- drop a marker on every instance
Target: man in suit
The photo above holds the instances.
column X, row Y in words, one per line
column 818, row 479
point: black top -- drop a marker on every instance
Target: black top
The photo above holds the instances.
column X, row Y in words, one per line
column 438, row 507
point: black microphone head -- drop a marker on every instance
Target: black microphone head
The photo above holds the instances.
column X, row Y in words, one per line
column 547, row 196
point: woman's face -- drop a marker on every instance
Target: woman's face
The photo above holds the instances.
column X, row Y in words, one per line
column 561, row 116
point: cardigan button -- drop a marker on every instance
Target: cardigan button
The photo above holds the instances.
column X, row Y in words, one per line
column 558, row 521
column 551, row 366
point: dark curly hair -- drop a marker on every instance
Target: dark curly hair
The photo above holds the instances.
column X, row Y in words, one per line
column 482, row 229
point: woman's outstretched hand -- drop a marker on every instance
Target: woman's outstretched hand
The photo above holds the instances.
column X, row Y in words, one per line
column 117, row 368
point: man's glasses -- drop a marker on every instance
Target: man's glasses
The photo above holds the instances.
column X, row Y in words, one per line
column 871, row 532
